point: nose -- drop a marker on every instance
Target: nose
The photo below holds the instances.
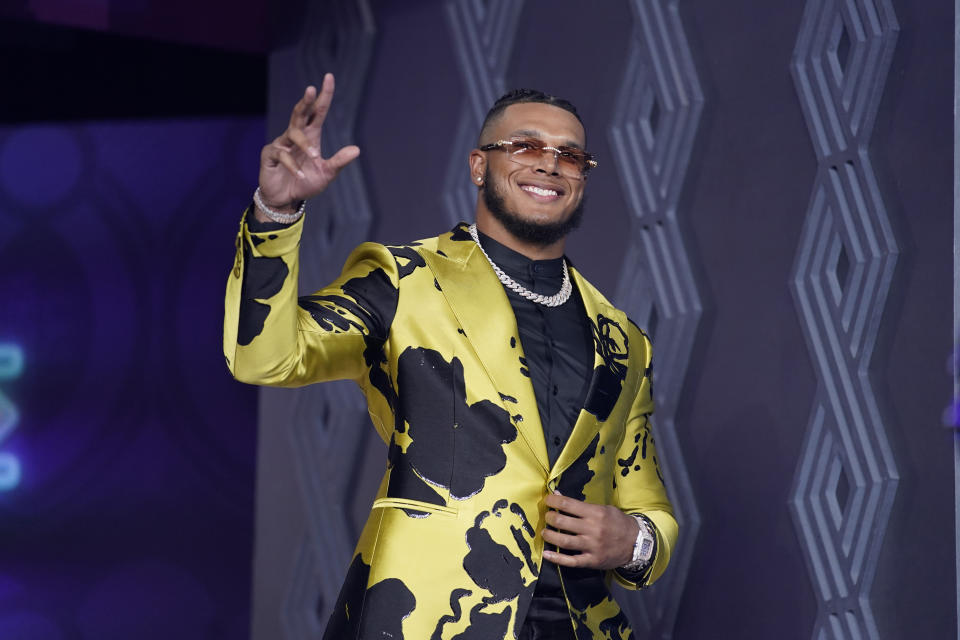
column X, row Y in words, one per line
column 548, row 162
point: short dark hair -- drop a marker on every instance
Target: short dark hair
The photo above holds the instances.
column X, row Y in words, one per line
column 517, row 96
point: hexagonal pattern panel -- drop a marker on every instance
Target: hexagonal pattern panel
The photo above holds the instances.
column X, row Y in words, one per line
column 305, row 613
column 329, row 428
column 652, row 133
column 339, row 37
column 483, row 38
column 329, row 433
column 847, row 477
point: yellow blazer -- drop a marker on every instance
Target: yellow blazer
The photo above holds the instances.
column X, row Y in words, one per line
column 452, row 547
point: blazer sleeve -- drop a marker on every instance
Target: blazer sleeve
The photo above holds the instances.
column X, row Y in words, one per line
column 642, row 490
column 272, row 337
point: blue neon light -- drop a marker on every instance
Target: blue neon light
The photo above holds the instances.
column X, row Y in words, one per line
column 11, row 366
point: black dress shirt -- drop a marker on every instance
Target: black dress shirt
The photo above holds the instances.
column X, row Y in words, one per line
column 556, row 341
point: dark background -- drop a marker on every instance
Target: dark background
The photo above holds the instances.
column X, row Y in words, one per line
column 129, row 137
column 128, row 148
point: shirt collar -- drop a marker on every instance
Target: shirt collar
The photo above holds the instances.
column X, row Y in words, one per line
column 516, row 263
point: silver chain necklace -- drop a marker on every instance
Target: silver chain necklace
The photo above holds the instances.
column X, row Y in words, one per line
column 555, row 300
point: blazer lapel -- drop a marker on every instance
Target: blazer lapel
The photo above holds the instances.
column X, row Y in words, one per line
column 483, row 310
column 608, row 326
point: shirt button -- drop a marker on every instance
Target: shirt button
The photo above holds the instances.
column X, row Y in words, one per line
column 537, row 268
column 556, row 440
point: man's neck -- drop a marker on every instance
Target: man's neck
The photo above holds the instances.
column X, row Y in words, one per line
column 490, row 226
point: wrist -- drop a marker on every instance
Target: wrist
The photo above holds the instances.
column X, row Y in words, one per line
column 262, row 215
column 631, row 544
column 290, row 207
column 644, row 546
column 267, row 212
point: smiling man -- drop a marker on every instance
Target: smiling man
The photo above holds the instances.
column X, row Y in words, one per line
column 515, row 399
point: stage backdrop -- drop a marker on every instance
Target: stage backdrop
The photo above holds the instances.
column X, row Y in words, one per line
column 772, row 205
column 126, row 453
column 127, row 152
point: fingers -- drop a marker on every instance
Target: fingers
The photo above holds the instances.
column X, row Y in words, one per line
column 342, row 158
column 595, row 531
column 270, row 151
column 289, row 163
column 312, row 108
column 565, row 540
column 570, row 505
column 304, row 143
column 567, row 523
column 565, row 560
column 306, row 119
column 320, row 107
column 301, row 110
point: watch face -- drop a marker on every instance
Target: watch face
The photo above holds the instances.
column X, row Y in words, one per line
column 646, row 549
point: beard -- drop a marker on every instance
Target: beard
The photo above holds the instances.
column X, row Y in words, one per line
column 537, row 233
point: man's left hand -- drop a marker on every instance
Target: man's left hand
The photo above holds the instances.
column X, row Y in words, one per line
column 603, row 534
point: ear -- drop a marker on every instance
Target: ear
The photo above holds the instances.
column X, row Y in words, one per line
column 478, row 165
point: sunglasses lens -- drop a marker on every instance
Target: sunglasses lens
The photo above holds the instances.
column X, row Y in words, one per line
column 570, row 163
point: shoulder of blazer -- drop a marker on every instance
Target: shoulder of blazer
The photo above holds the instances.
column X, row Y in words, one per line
column 455, row 244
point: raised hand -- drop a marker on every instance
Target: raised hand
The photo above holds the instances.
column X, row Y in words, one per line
column 603, row 534
column 292, row 167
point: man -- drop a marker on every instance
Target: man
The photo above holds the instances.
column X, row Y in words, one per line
column 521, row 475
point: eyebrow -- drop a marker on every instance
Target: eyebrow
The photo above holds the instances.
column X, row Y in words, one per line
column 533, row 133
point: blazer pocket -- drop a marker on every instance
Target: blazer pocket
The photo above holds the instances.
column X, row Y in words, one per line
column 413, row 505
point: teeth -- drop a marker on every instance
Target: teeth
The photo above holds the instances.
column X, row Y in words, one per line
column 538, row 190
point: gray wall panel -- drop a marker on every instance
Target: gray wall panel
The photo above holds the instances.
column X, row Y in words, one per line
column 652, row 131
column 322, row 429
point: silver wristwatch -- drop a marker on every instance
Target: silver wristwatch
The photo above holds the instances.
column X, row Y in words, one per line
column 642, row 547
